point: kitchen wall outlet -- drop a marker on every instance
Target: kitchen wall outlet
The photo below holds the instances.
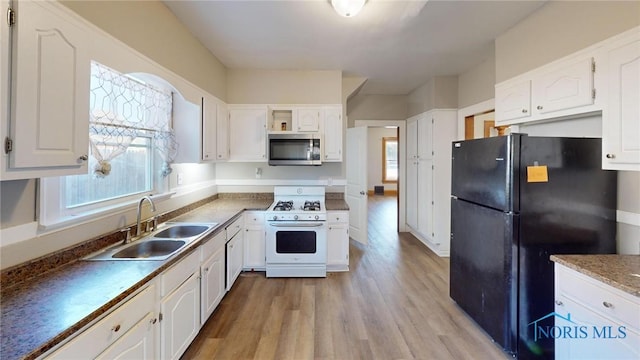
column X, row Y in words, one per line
column 258, row 173
column 329, row 182
column 180, row 178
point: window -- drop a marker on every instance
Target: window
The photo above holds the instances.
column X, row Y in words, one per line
column 131, row 146
column 389, row 160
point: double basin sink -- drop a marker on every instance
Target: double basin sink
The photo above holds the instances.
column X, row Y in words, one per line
column 159, row 245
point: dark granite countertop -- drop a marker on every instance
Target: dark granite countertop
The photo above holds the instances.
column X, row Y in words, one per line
column 39, row 313
column 336, row 205
column 620, row 271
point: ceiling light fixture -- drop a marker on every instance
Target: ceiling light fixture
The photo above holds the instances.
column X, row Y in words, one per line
column 347, row 8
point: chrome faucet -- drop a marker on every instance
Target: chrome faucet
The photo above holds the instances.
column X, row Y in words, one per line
column 153, row 208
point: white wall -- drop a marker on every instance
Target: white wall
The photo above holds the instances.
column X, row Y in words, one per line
column 374, row 159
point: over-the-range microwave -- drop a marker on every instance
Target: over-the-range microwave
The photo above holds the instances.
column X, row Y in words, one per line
column 294, row 149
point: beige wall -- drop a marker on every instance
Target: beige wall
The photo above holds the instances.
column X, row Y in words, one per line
column 478, row 84
column 441, row 92
column 377, row 107
column 560, row 28
column 152, row 29
column 284, row 87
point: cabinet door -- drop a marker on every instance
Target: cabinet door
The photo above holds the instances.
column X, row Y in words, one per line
column 513, row 102
column 51, row 76
column 425, row 137
column 180, row 318
column 332, row 134
column 425, row 197
column 254, row 248
column 137, row 343
column 309, row 120
column 235, row 256
column 222, row 132
column 209, row 130
column 412, row 174
column 621, row 119
column 247, row 134
column 211, row 284
column 565, row 88
column 337, row 246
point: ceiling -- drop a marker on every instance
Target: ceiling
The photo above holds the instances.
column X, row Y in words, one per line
column 397, row 45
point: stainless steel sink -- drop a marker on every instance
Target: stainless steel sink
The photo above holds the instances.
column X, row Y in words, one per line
column 149, row 249
column 160, row 245
column 181, row 231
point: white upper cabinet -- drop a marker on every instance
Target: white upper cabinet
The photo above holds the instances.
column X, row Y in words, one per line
column 513, row 102
column 562, row 89
column 222, row 132
column 567, row 87
column 209, row 129
column 247, row 133
column 621, row 117
column 49, row 121
column 309, row 120
column 333, row 129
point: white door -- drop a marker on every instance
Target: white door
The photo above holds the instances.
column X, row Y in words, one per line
column 357, row 183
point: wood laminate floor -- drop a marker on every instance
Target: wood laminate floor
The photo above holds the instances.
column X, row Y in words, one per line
column 393, row 304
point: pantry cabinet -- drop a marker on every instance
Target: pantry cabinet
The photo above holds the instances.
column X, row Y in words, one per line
column 337, row 241
column 247, row 133
column 254, row 241
column 429, row 137
column 607, row 319
column 621, row 118
column 332, row 130
column 47, row 133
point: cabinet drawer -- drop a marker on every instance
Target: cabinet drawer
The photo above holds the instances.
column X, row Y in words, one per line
column 338, row 216
column 253, row 218
column 98, row 337
column 234, row 228
column 599, row 297
column 179, row 272
column 212, row 245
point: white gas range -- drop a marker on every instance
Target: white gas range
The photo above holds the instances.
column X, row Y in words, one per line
column 296, row 241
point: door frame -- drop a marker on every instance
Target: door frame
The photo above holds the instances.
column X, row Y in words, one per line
column 402, row 168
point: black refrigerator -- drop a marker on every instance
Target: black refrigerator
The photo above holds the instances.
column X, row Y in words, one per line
column 515, row 201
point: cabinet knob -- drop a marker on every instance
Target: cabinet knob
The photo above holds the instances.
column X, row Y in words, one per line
column 326, row 156
column 83, row 158
column 608, row 305
column 611, row 156
column 558, row 302
column 539, row 107
column 524, row 111
column 206, row 269
column 116, row 328
column 153, row 321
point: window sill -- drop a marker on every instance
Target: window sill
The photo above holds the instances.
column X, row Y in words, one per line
column 95, row 215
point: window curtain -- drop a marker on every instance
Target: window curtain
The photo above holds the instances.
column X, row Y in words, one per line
column 121, row 109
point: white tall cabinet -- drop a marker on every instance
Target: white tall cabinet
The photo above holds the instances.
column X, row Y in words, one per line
column 429, row 137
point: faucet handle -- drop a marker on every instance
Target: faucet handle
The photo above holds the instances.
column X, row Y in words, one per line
column 127, row 238
column 155, row 223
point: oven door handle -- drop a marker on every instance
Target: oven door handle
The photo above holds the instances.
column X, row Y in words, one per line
column 296, row 224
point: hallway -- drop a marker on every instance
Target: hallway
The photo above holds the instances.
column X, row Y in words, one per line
column 393, row 304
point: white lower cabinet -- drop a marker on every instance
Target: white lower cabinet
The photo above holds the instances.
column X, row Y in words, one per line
column 131, row 325
column 254, row 245
column 235, row 256
column 138, row 343
column 212, row 271
column 593, row 320
column 337, row 241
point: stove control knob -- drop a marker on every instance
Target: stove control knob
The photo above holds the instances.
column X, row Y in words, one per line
column 317, row 217
column 275, row 217
column 295, row 217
